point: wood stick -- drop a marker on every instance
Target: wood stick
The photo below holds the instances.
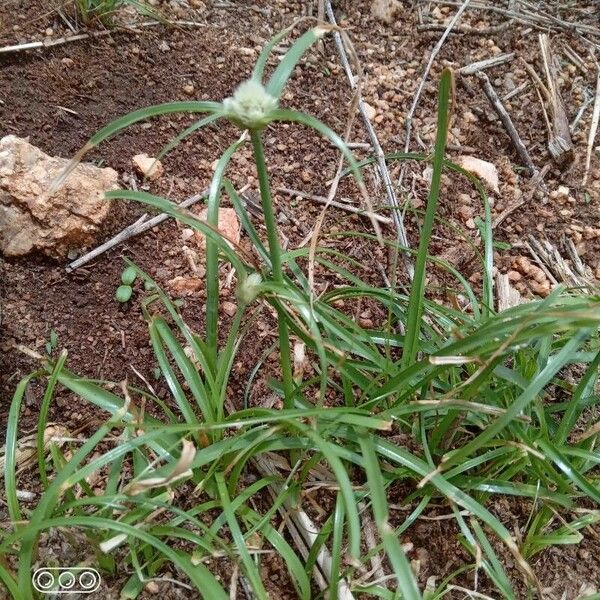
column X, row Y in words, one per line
column 533, row 245
column 97, row 34
column 486, row 64
column 467, row 29
column 371, row 543
column 379, row 154
column 588, row 100
column 516, row 91
column 341, row 205
column 141, row 225
column 507, row 295
column 593, row 131
column 574, row 58
column 559, row 138
column 553, row 260
column 537, row 19
column 497, row 105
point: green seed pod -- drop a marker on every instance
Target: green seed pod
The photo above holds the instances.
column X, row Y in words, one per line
column 128, row 275
column 148, row 285
column 248, row 288
column 123, row 293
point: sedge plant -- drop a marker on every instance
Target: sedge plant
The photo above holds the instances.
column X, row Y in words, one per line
column 492, row 402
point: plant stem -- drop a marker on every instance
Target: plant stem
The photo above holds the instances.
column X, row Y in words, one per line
column 277, row 271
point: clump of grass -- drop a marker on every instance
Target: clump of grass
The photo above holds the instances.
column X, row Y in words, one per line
column 490, row 400
column 103, row 11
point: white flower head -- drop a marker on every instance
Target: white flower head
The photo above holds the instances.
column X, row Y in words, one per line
column 251, row 105
column 248, row 288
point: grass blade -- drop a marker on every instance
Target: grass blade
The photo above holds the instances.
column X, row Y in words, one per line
column 415, row 304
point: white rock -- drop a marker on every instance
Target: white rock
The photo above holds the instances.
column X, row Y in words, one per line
column 483, row 169
column 186, row 234
column 370, row 111
column 148, row 167
column 428, row 174
column 30, row 220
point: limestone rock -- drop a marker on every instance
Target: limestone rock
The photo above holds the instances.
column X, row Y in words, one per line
column 229, row 308
column 483, row 169
column 185, row 286
column 148, row 167
column 30, row 220
column 229, row 226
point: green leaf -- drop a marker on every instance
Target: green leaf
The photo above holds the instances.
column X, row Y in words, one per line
column 288, row 63
column 406, row 579
column 415, row 305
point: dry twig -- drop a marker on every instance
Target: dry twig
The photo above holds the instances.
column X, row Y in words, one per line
column 341, row 205
column 486, row 64
column 515, row 92
column 466, row 29
column 92, row 35
column 508, row 296
column 534, row 17
column 141, row 225
column 593, row 131
column 381, row 165
column 559, row 135
column 555, row 266
column 497, row 105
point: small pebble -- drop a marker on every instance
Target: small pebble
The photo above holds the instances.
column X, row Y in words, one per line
column 152, row 587
column 370, row 111
column 229, row 308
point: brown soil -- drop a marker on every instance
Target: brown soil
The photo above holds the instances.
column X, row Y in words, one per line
column 59, row 97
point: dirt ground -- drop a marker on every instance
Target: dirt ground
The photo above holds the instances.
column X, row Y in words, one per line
column 58, row 97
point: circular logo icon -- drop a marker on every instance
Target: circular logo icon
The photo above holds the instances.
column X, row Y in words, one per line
column 66, row 580
column 89, row 580
column 43, row 580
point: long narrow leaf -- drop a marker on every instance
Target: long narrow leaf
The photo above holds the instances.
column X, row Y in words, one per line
column 415, row 305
